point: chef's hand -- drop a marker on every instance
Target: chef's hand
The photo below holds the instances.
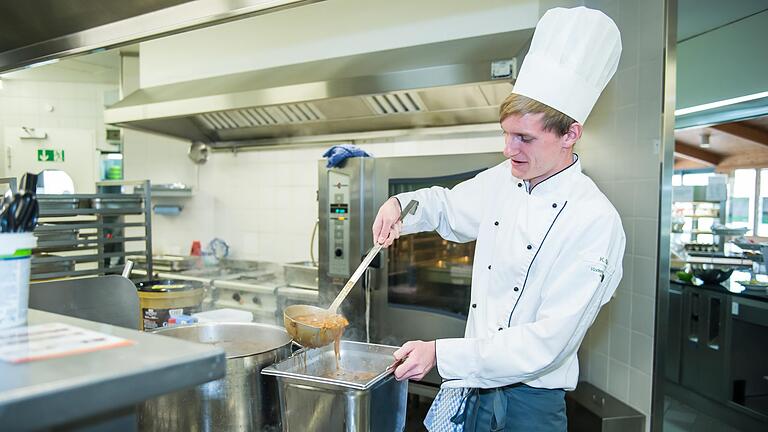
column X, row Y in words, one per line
column 385, row 230
column 420, row 358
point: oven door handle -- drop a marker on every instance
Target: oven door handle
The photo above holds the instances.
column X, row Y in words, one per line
column 715, row 305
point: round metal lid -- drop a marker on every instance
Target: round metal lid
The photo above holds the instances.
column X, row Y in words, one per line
column 236, row 339
column 167, row 285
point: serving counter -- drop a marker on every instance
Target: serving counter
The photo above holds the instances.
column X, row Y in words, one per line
column 731, row 286
column 99, row 389
column 716, row 346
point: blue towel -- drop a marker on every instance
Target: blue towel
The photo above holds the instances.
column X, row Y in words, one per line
column 339, row 153
column 447, row 404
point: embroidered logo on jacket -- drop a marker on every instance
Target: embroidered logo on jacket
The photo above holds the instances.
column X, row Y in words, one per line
column 601, row 269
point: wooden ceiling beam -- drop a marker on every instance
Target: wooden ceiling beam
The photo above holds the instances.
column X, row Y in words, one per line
column 687, row 164
column 742, row 131
column 696, row 154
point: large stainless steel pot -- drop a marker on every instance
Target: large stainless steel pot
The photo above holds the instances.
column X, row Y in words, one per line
column 244, row 400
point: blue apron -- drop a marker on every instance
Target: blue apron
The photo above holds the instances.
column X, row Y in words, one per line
column 516, row 407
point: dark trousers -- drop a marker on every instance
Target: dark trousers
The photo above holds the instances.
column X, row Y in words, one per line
column 516, row 408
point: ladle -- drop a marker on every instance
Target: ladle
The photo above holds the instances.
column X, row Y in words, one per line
column 327, row 330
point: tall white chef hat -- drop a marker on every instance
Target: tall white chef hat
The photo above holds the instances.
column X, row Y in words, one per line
column 573, row 55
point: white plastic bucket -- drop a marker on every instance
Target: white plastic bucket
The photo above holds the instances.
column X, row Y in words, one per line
column 15, row 260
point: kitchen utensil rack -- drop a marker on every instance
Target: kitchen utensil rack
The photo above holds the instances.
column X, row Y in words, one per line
column 91, row 234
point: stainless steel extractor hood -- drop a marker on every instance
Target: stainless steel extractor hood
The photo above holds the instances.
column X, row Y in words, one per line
column 441, row 84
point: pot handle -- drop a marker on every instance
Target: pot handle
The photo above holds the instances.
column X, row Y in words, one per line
column 295, row 347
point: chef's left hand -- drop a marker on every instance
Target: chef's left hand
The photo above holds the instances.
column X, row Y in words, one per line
column 420, row 358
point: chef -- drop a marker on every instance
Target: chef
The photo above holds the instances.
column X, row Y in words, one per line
column 549, row 243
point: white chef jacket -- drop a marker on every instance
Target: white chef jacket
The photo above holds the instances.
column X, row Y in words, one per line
column 546, row 259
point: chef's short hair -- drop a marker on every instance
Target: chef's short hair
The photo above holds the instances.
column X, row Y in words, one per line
column 554, row 121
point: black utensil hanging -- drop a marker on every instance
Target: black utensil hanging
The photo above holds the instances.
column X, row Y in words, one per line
column 29, row 183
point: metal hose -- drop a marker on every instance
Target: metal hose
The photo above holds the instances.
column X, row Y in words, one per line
column 312, row 244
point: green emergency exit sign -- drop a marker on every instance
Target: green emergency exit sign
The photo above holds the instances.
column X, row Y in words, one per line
column 50, row 155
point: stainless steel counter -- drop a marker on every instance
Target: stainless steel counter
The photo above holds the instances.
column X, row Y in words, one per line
column 51, row 392
column 730, row 286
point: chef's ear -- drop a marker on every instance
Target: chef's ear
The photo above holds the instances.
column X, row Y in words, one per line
column 573, row 135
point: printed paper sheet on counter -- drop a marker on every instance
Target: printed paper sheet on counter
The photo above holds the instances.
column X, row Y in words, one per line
column 44, row 341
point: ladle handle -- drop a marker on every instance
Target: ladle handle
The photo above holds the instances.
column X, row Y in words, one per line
column 127, row 269
column 409, row 209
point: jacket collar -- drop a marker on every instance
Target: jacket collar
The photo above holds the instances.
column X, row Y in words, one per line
column 559, row 183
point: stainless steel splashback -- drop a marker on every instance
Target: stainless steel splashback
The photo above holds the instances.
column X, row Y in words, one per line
column 456, row 82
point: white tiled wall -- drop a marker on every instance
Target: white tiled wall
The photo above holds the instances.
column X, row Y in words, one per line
column 73, row 105
column 619, row 151
column 263, row 203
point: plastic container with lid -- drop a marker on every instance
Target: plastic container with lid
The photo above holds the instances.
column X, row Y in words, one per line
column 15, row 260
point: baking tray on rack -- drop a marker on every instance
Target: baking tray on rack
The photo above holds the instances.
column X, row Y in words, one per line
column 50, row 203
column 123, row 202
column 166, row 263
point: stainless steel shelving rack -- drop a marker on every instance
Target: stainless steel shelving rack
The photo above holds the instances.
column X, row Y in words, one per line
column 697, row 199
column 90, row 234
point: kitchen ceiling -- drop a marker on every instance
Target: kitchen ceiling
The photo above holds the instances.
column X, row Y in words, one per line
column 25, row 26
column 732, row 145
column 735, row 144
column 695, row 17
column 99, row 68
column 41, row 30
column 27, row 23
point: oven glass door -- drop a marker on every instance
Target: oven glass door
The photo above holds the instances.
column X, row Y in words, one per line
column 424, row 270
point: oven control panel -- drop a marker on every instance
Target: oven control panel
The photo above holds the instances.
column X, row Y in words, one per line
column 338, row 224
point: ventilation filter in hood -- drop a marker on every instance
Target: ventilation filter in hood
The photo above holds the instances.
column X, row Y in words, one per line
column 258, row 116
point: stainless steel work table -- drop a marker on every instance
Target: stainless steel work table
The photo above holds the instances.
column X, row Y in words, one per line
column 64, row 390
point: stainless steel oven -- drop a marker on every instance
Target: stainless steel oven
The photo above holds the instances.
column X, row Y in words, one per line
column 421, row 288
